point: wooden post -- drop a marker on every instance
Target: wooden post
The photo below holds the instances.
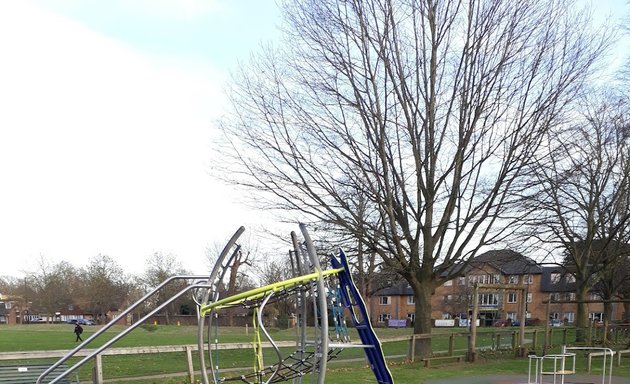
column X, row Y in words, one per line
column 522, row 349
column 564, row 336
column 498, row 341
column 451, row 344
column 97, row 373
column 535, row 340
column 514, row 341
column 412, row 348
column 191, row 370
column 472, row 353
column 547, row 341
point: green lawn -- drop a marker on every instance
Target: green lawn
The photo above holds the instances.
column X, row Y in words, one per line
column 61, row 337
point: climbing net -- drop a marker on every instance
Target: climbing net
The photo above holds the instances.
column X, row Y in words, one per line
column 318, row 297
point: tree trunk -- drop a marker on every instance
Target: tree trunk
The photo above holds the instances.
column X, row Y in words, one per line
column 608, row 307
column 422, row 322
column 581, row 317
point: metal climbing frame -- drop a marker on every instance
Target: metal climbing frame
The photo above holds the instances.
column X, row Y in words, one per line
column 557, row 366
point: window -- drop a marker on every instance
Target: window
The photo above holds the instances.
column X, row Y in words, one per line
column 448, row 283
column 555, row 278
column 411, row 300
column 496, row 279
column 569, row 317
column 528, row 279
column 529, row 297
column 555, row 296
column 461, row 280
column 595, row 316
column 511, row 297
column 383, row 317
column 513, row 279
column 488, row 299
column 554, row 316
column 511, row 315
column 411, row 316
column 594, row 296
column 570, row 296
column 7, row 305
column 383, row 300
column 570, row 279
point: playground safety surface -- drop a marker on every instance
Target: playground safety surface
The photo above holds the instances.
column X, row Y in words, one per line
column 522, row 379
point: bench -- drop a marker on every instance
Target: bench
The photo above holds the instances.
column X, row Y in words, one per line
column 28, row 374
column 427, row 360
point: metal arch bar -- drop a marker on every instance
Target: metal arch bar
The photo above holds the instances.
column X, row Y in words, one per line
column 323, row 305
column 112, row 322
column 200, row 319
column 120, row 335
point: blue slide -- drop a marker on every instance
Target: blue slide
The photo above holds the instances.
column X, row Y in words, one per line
column 351, row 299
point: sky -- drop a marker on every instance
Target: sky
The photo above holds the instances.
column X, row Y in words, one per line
column 106, row 128
column 107, row 120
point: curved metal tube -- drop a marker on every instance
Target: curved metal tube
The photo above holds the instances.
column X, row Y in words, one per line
column 261, row 325
column 323, row 305
column 212, row 290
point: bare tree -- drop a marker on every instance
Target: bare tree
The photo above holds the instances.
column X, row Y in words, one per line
column 54, row 287
column 159, row 267
column 581, row 199
column 105, row 287
column 238, row 278
column 429, row 110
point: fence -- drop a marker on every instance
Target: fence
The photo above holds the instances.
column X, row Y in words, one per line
column 444, row 344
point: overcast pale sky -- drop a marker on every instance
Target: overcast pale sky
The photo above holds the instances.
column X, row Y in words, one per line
column 106, row 126
column 106, row 115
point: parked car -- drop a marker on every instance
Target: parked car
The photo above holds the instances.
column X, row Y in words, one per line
column 502, row 323
column 555, row 323
column 80, row 321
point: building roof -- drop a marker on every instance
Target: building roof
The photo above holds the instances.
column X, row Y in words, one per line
column 561, row 285
column 400, row 289
column 508, row 262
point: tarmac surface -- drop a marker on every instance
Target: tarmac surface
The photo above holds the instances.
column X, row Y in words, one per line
column 522, row 379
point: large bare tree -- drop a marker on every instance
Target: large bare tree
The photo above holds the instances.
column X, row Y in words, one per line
column 581, row 198
column 429, row 110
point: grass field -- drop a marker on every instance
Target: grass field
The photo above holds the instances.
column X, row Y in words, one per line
column 60, row 337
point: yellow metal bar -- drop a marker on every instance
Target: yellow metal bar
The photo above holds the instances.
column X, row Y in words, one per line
column 262, row 291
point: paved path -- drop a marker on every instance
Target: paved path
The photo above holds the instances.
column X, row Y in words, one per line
column 522, row 379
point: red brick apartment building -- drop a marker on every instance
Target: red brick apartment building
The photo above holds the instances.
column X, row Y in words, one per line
column 504, row 267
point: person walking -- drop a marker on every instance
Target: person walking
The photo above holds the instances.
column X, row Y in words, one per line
column 78, row 330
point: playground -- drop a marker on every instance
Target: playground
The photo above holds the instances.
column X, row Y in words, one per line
column 331, row 327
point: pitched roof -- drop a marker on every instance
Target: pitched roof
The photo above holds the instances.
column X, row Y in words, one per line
column 507, row 262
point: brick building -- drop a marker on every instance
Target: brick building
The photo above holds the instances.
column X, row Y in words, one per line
column 503, row 267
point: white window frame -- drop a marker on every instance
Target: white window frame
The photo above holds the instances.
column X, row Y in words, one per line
column 528, row 279
column 411, row 300
column 513, row 279
column 512, row 298
column 384, row 317
column 384, row 300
